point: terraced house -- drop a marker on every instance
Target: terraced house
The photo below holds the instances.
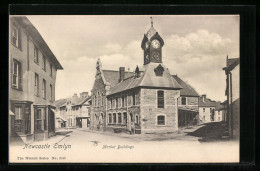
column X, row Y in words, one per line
column 73, row 112
column 32, row 77
column 143, row 101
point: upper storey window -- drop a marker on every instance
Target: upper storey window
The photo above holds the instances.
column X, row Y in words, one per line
column 16, row 36
column 50, row 69
column 44, row 63
column 17, row 74
column 183, row 101
column 36, row 55
column 160, row 100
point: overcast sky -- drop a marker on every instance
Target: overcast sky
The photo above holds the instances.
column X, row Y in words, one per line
column 195, row 47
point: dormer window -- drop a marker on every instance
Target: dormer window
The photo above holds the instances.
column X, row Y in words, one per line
column 159, row 70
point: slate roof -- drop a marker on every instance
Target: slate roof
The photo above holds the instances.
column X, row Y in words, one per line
column 207, row 102
column 147, row 79
column 186, row 90
column 113, row 76
column 231, row 63
column 59, row 103
column 151, row 32
column 81, row 101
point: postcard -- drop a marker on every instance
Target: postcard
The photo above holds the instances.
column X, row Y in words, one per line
column 124, row 89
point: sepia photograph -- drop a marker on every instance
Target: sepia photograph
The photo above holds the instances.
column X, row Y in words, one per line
column 124, row 89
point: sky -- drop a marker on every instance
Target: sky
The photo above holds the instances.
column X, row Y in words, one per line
column 195, row 48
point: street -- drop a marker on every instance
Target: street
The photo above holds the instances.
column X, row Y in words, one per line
column 81, row 146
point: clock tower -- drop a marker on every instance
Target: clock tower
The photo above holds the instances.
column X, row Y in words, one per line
column 152, row 46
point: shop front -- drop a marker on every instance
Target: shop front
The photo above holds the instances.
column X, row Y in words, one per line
column 20, row 120
column 44, row 122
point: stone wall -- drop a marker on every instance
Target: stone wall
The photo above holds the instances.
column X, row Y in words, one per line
column 149, row 111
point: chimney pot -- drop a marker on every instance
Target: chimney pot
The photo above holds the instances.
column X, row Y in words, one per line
column 121, row 73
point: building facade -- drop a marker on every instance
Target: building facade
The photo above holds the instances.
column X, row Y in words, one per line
column 32, row 77
column 233, row 96
column 188, row 104
column 143, row 101
column 73, row 112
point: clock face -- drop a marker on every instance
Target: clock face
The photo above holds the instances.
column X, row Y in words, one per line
column 155, row 44
column 156, row 56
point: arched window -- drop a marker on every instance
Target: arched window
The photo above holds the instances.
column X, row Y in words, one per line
column 101, row 98
column 114, row 117
column 109, row 118
column 160, row 99
column 136, row 119
column 98, row 104
column 119, row 118
column 160, row 120
column 125, row 118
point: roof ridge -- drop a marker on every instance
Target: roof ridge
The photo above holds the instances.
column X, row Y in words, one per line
column 114, row 70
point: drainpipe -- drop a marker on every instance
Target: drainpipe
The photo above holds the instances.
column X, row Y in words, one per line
column 231, row 105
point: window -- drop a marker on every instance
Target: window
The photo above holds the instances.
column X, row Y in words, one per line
column 36, row 55
column 44, row 119
column 119, row 118
column 114, row 118
column 136, row 119
column 15, row 36
column 18, row 113
column 44, row 63
column 95, row 101
column 102, row 100
column 116, row 102
column 98, row 102
column 50, row 69
column 38, row 118
column 44, row 88
column 18, row 123
column 125, row 118
column 123, row 101
column 133, row 98
column 161, row 120
column 36, row 84
column 17, row 79
column 111, row 102
column 109, row 118
column 218, row 118
column 183, row 101
column 51, row 93
column 160, row 99
column 203, row 109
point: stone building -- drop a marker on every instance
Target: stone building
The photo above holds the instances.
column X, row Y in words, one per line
column 207, row 109
column 74, row 112
column 188, row 104
column 32, row 77
column 147, row 100
column 233, row 96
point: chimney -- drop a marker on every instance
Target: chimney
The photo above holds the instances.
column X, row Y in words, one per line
column 75, row 95
column 203, row 97
column 121, row 73
column 83, row 94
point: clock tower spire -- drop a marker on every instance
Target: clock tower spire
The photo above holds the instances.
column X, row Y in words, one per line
column 152, row 46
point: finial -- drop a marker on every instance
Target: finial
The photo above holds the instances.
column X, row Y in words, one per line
column 227, row 56
column 151, row 21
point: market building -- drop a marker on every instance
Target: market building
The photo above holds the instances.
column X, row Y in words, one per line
column 144, row 101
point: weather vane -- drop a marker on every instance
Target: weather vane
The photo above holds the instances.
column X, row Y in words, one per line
column 151, row 21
